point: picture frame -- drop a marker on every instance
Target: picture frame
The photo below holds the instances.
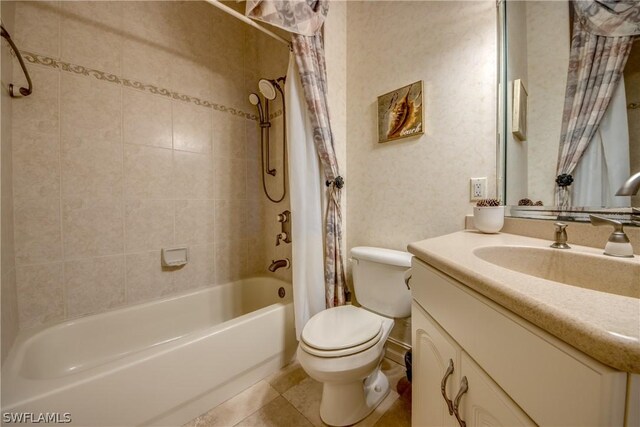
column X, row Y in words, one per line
column 519, row 115
column 401, row 113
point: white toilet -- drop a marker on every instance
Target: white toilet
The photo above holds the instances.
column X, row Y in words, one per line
column 342, row 347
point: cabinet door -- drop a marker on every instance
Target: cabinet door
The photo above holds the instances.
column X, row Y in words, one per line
column 485, row 403
column 432, row 351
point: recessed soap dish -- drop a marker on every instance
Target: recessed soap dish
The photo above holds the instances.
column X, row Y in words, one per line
column 174, row 257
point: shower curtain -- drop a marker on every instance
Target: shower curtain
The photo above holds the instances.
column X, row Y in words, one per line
column 601, row 41
column 304, row 20
column 306, row 199
column 604, row 166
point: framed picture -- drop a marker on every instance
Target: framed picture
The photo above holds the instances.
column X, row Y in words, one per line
column 400, row 113
column 519, row 119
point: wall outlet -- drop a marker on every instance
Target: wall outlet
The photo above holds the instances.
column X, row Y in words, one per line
column 478, row 189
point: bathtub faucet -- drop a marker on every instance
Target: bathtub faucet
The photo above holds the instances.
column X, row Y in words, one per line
column 281, row 263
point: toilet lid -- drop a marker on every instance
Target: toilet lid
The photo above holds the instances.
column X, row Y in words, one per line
column 341, row 327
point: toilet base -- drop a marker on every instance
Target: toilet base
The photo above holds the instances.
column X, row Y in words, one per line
column 345, row 404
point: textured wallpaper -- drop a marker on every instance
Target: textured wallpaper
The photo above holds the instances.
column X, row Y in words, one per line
column 415, row 188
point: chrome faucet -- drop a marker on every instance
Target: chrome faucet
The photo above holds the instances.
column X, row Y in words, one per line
column 630, row 186
column 618, row 244
column 560, row 236
column 281, row 263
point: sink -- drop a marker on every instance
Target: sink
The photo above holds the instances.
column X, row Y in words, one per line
column 596, row 272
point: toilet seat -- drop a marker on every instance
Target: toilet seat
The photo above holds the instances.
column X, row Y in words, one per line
column 343, row 351
column 341, row 331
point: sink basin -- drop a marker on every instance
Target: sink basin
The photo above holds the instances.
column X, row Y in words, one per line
column 589, row 271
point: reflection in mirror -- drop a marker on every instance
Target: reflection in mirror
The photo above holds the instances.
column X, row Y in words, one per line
column 597, row 145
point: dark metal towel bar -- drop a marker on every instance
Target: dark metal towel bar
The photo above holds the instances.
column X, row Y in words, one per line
column 24, row 91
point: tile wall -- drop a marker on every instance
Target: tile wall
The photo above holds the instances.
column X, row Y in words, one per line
column 138, row 136
column 8, row 292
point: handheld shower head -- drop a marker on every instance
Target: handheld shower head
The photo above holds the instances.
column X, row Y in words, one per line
column 255, row 100
column 267, row 88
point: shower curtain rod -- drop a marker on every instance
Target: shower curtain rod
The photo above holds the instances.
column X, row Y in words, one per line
column 238, row 15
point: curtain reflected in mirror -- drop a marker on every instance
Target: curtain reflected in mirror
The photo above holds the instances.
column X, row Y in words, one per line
column 581, row 70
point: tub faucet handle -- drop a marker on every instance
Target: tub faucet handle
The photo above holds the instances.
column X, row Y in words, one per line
column 281, row 237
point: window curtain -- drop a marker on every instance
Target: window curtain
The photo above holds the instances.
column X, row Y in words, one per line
column 304, row 19
column 602, row 37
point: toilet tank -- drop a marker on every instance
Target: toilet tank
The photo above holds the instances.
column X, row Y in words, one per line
column 378, row 280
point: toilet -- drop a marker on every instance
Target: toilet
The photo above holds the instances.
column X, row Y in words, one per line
column 343, row 347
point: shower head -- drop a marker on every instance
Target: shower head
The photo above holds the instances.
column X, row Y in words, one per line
column 254, row 99
column 267, row 88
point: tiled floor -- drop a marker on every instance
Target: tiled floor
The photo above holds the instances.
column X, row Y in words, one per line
column 289, row 398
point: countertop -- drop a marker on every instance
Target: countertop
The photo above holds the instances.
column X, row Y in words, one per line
column 602, row 325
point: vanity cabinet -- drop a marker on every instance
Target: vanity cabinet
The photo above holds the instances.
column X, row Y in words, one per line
column 516, row 373
column 449, row 384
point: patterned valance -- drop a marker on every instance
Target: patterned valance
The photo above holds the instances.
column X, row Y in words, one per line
column 609, row 18
column 304, row 17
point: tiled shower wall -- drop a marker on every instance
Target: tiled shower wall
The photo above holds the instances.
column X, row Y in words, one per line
column 8, row 293
column 138, row 136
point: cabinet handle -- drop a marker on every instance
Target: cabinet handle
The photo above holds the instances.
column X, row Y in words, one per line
column 464, row 387
column 443, row 386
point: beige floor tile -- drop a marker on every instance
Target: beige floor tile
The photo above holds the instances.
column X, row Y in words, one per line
column 305, row 397
column 278, row 413
column 399, row 414
column 237, row 408
column 287, row 377
column 380, row 410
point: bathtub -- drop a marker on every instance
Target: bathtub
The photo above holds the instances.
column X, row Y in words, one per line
column 158, row 363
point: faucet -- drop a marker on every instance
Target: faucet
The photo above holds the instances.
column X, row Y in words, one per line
column 281, row 263
column 284, row 219
column 618, row 244
column 560, row 236
column 282, row 237
column 630, row 186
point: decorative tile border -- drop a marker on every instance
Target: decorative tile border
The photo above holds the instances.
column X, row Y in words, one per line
column 46, row 61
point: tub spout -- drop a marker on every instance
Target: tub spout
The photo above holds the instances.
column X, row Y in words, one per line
column 281, row 263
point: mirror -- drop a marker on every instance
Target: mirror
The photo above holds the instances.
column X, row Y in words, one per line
column 535, row 43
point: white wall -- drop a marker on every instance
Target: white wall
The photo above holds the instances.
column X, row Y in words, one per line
column 517, row 161
column 548, row 45
column 416, row 188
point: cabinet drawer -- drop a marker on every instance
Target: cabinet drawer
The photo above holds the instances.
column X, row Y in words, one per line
column 554, row 383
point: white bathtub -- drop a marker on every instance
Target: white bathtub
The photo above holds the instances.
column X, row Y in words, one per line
column 159, row 363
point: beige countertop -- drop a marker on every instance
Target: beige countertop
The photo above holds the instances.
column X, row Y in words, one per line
column 605, row 326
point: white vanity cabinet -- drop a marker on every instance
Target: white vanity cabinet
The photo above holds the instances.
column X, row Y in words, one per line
column 516, row 373
column 441, row 364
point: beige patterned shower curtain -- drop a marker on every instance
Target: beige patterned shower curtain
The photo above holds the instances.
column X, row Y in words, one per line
column 304, row 19
column 600, row 45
